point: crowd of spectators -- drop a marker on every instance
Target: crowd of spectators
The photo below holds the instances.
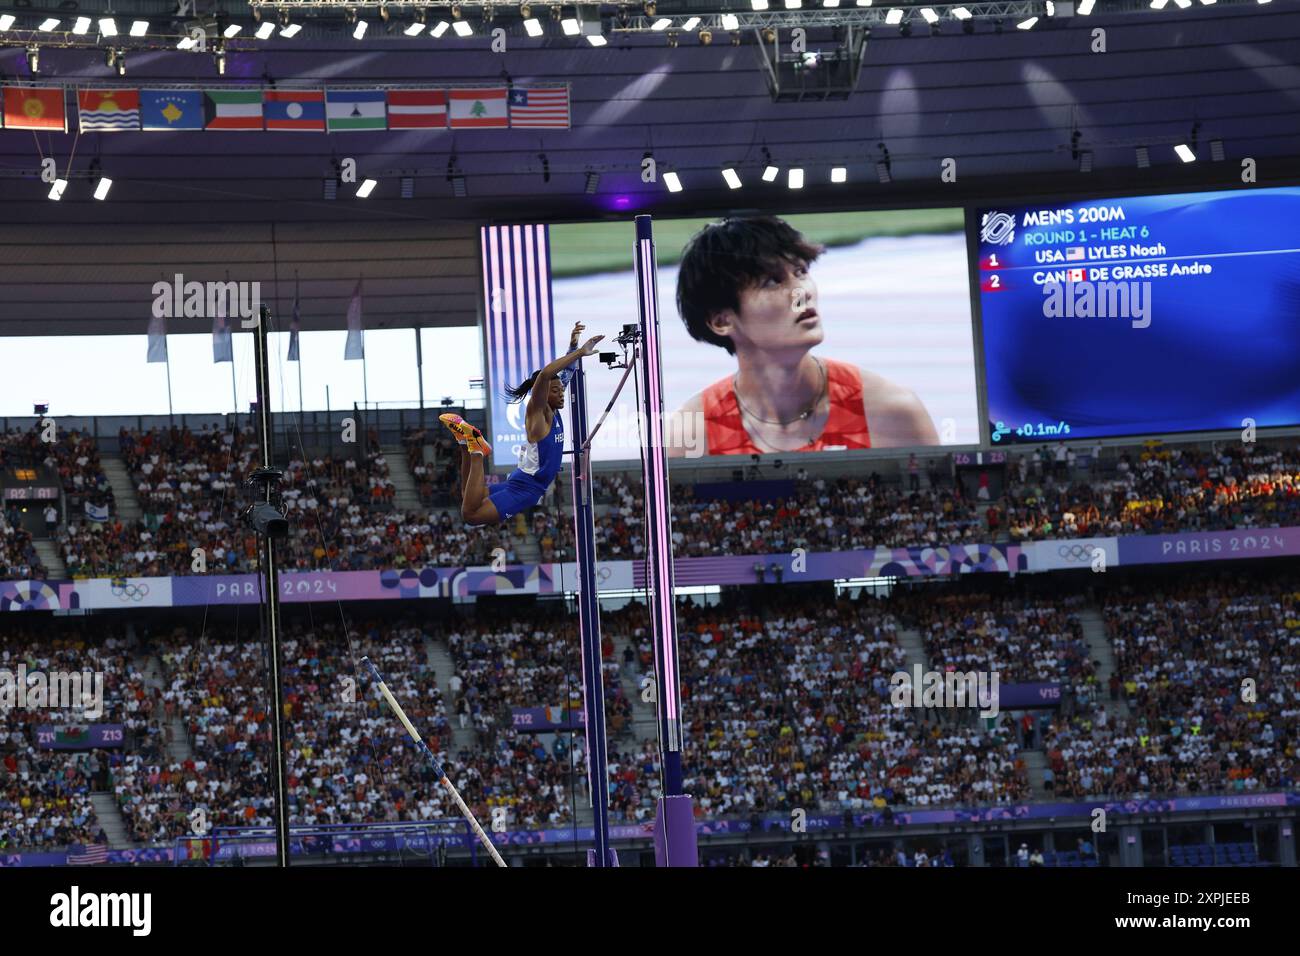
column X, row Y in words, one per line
column 1211, row 673
column 45, row 792
column 433, row 458
column 1023, row 639
column 189, row 485
column 18, row 557
column 75, row 457
column 1155, row 489
column 340, row 511
column 787, row 698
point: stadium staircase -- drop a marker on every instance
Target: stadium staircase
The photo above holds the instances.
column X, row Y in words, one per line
column 406, row 495
column 48, row 552
column 1099, row 648
column 110, row 818
column 1035, row 764
column 126, row 503
column 913, row 645
column 645, row 722
column 526, row 548
column 178, row 742
column 439, row 659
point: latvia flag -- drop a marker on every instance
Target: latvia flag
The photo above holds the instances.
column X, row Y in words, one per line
column 29, row 108
column 417, row 109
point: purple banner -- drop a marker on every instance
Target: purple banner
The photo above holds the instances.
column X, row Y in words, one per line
column 50, row 737
column 548, row 718
column 1039, row 694
column 357, row 840
column 833, row 565
column 1209, row 546
column 785, row 567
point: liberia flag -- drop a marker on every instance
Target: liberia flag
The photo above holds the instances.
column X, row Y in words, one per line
column 28, row 108
column 478, row 109
column 417, row 109
column 233, row 109
column 539, row 107
column 295, row 109
column 108, row 109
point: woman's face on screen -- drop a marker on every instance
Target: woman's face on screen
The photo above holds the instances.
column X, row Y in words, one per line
column 780, row 312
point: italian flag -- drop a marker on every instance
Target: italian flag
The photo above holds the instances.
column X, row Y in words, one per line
column 478, row 109
column 233, row 109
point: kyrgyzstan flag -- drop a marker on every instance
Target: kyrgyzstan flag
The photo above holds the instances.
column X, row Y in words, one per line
column 417, row 109
column 478, row 109
column 295, row 109
column 30, row 108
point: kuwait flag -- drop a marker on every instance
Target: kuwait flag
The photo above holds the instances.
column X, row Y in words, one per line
column 233, row 109
column 478, row 109
column 295, row 109
column 26, row 108
column 108, row 109
column 417, row 109
column 354, row 109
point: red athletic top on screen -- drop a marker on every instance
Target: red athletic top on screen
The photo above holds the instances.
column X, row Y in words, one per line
column 845, row 428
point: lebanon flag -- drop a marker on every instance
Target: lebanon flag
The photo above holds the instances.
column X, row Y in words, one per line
column 417, row 109
column 295, row 109
column 27, row 108
column 478, row 109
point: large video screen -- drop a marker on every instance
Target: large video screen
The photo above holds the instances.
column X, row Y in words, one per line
column 798, row 333
column 1154, row 314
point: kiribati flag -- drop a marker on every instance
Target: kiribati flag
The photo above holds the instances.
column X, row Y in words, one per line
column 295, row 109
column 108, row 109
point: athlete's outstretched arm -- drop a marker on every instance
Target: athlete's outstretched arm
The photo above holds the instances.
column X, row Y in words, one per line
column 537, row 399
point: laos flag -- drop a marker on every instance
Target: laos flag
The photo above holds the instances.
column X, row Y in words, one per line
column 295, row 109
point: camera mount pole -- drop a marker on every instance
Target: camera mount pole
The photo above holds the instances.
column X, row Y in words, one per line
column 269, row 478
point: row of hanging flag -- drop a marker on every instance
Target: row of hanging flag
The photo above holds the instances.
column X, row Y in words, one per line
column 222, row 328
column 318, row 111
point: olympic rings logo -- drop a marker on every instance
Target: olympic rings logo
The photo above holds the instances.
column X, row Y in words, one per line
column 125, row 590
column 604, row 572
column 1075, row 552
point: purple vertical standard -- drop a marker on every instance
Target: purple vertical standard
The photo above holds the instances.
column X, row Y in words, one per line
column 658, row 520
column 593, row 689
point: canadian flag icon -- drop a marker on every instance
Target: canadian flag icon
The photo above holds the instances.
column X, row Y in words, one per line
column 1075, row 275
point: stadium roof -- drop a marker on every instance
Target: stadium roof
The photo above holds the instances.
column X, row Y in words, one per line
column 1005, row 105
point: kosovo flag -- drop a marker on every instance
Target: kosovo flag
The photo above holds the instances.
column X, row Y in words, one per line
column 171, row 109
